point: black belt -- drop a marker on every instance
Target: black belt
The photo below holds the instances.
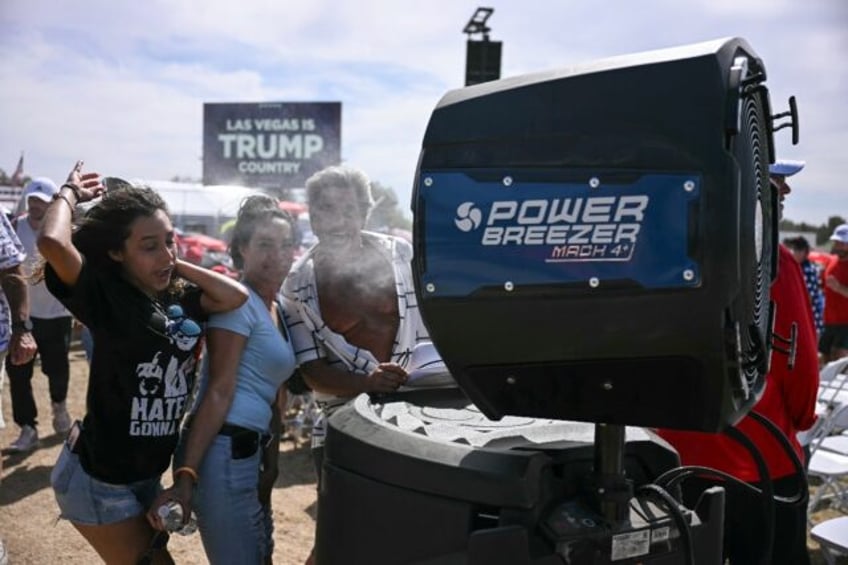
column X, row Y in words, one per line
column 232, row 430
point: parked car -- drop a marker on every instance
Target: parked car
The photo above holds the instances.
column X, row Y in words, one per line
column 206, row 251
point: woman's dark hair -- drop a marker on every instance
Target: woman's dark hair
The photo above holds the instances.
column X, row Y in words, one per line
column 799, row 243
column 106, row 226
column 254, row 211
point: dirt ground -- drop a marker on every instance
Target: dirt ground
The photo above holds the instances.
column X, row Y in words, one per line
column 28, row 512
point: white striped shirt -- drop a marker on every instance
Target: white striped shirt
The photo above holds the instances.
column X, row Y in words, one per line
column 313, row 339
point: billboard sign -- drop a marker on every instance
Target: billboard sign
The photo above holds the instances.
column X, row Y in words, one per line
column 269, row 144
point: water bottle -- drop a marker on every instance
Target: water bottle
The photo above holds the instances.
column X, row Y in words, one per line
column 172, row 516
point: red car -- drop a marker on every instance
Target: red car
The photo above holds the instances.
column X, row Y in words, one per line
column 206, row 251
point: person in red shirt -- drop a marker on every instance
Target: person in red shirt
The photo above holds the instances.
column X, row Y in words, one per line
column 788, row 401
column 834, row 340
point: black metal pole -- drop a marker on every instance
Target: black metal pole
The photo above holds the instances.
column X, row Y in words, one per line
column 609, row 470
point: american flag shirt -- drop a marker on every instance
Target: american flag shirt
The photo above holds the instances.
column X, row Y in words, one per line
column 812, row 278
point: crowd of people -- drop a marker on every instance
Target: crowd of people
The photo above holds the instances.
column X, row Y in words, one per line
column 189, row 368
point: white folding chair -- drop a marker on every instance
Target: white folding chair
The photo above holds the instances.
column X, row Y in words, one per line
column 831, row 471
column 832, row 537
column 829, row 467
column 833, row 393
column 836, row 443
column 835, row 370
column 833, row 383
column 831, row 423
column 829, row 402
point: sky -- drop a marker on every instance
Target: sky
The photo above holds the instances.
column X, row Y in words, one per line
column 122, row 84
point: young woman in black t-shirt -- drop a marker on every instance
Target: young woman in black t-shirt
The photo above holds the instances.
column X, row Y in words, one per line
column 119, row 274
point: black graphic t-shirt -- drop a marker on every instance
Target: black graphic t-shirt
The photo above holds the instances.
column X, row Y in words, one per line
column 142, row 372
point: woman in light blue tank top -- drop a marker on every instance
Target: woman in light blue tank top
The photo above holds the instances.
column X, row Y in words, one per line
column 231, row 440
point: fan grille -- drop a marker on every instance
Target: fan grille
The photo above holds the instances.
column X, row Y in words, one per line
column 758, row 208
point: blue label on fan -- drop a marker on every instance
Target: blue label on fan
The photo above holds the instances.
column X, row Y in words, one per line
column 487, row 230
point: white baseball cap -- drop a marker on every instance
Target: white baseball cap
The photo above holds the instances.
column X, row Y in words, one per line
column 786, row 167
column 840, row 234
column 42, row 188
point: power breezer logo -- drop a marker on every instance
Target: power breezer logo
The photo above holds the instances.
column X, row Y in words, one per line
column 468, row 216
column 597, row 228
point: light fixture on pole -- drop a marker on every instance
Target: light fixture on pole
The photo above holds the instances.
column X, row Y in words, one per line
column 482, row 57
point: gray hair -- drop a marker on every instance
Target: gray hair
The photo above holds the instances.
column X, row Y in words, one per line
column 341, row 177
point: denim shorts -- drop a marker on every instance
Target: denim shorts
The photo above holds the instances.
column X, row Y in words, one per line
column 83, row 499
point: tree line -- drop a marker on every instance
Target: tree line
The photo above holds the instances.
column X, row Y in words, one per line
column 823, row 231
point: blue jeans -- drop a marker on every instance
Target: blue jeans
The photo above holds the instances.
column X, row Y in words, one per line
column 83, row 499
column 233, row 525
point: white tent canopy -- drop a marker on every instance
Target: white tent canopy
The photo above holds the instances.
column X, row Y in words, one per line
column 194, row 207
column 200, row 208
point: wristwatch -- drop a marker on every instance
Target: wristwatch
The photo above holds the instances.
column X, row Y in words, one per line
column 22, row 325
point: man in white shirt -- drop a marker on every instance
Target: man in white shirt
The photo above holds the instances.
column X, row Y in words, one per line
column 50, row 324
column 362, row 336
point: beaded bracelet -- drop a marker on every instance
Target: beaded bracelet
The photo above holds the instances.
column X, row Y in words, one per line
column 188, row 471
column 73, row 188
column 60, row 196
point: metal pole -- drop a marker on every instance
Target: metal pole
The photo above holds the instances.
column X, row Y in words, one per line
column 609, row 468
